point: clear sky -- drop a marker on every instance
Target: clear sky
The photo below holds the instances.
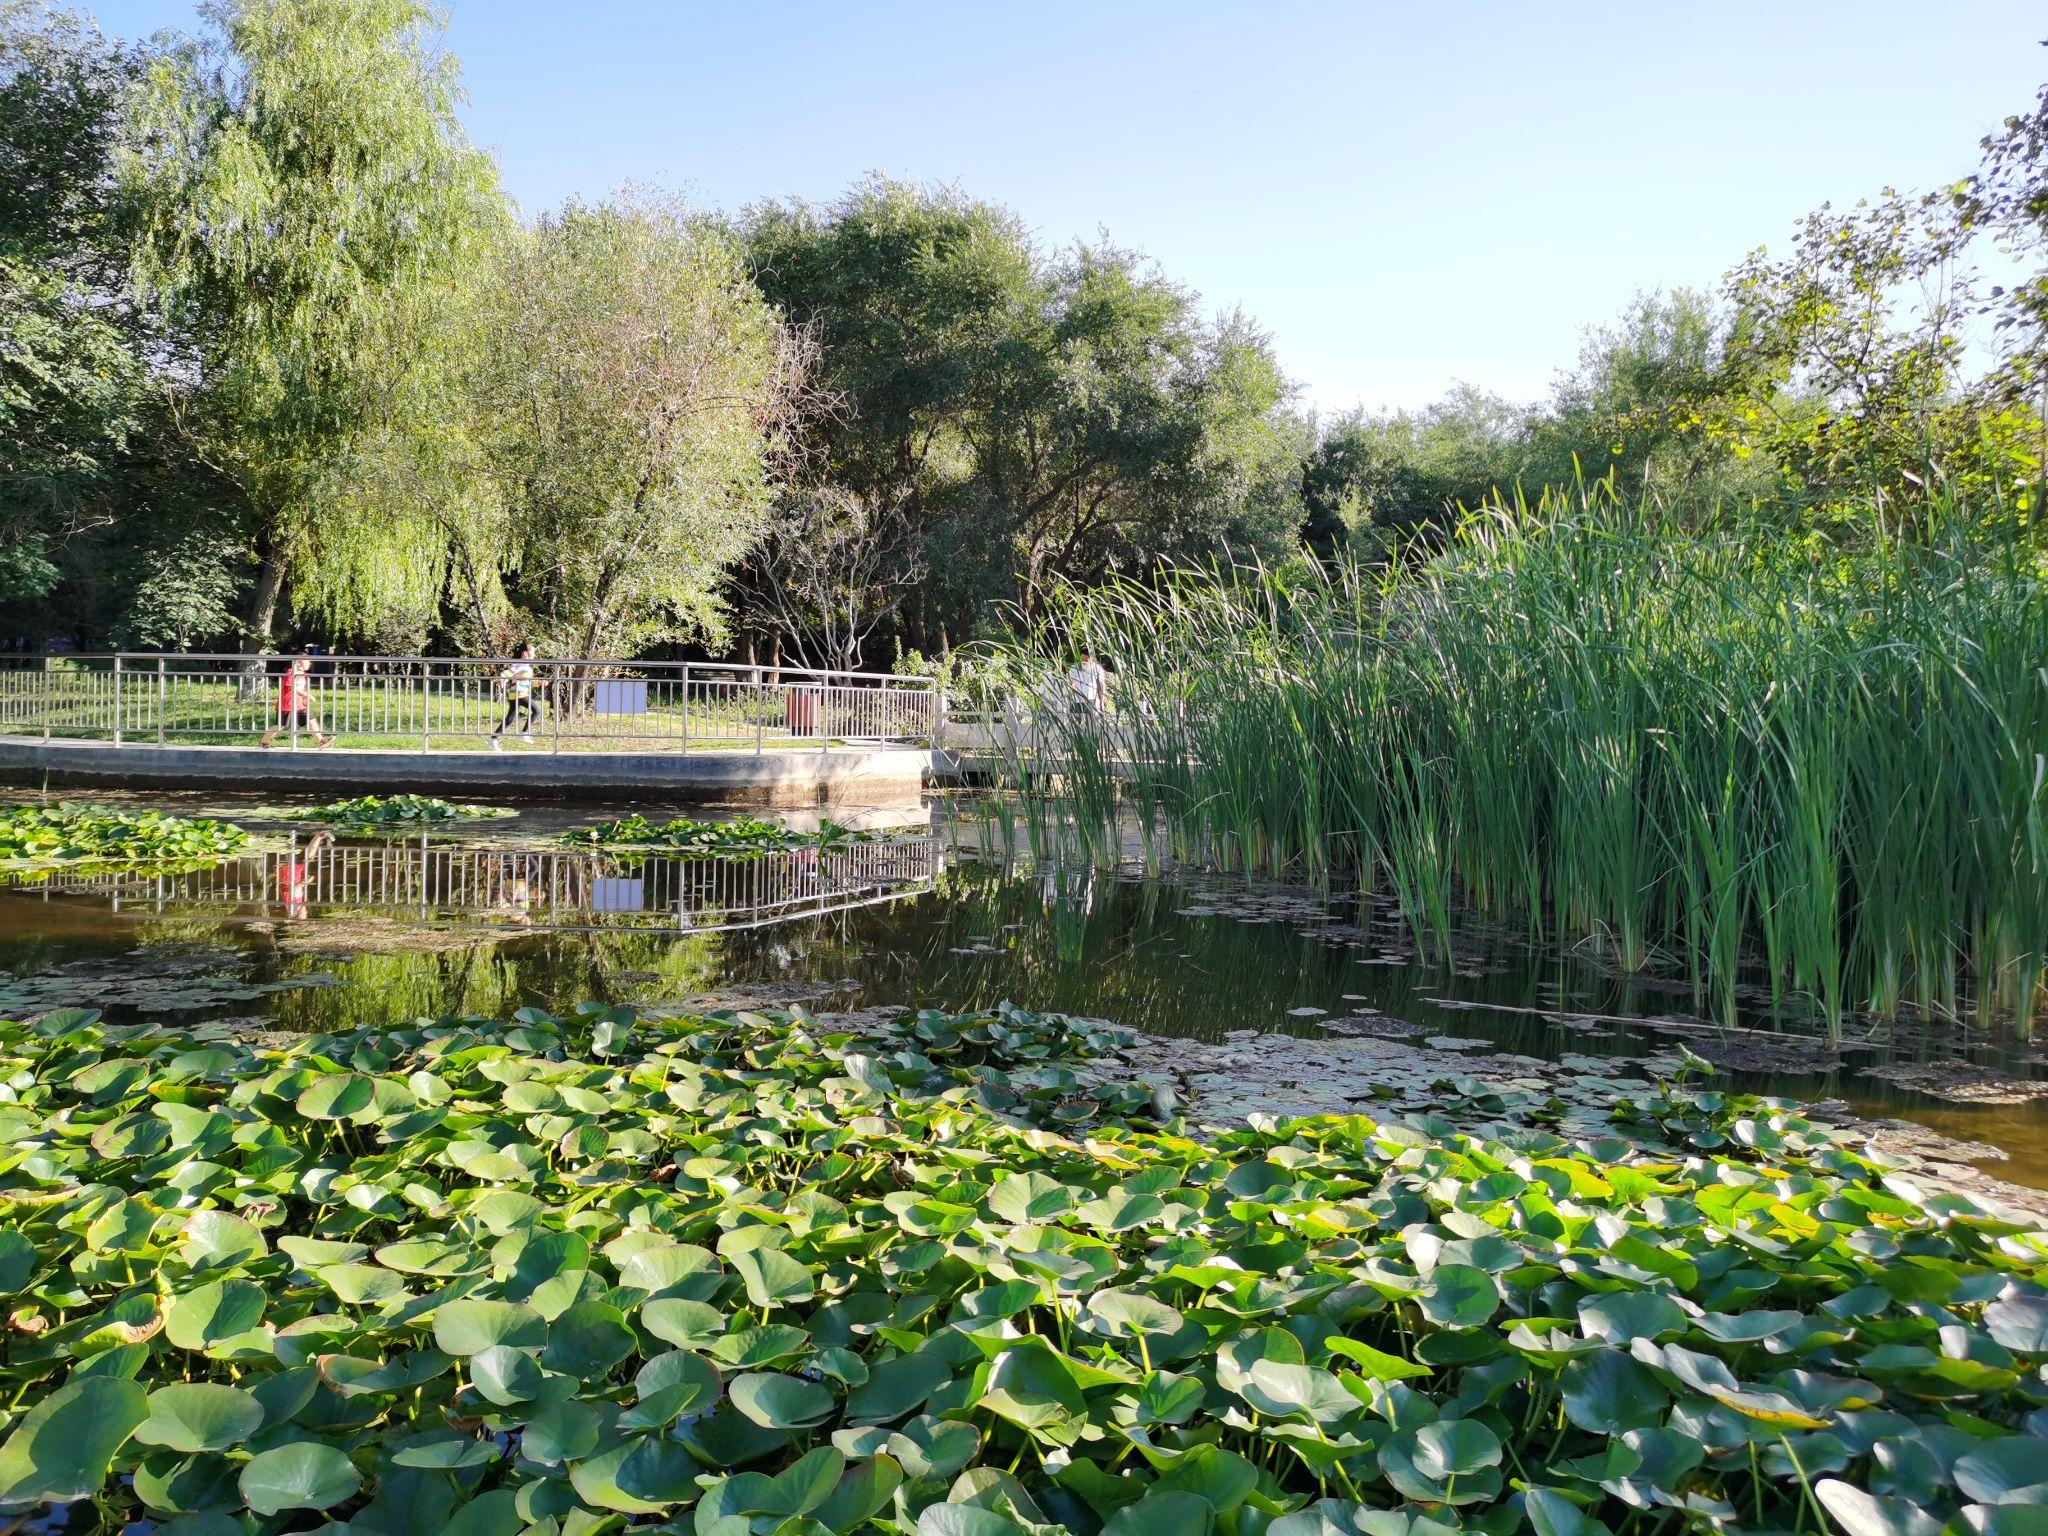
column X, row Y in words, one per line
column 1406, row 195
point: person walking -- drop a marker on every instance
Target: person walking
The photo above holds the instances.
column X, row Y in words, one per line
column 295, row 702
column 1089, row 683
column 516, row 679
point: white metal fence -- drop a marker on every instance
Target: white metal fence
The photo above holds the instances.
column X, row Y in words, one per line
column 430, row 703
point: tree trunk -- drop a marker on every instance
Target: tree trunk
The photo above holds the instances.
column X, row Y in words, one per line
column 260, row 631
column 258, row 634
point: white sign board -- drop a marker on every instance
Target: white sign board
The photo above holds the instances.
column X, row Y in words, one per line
column 612, row 893
column 620, row 696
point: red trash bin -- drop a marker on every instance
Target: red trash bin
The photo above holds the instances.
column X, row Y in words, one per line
column 800, row 710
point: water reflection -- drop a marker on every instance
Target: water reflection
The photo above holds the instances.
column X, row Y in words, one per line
column 346, row 934
column 542, row 890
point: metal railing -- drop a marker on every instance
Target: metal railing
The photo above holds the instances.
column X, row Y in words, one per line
column 428, row 703
column 544, row 890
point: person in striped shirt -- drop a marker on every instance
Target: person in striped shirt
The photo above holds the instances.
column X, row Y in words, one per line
column 515, row 678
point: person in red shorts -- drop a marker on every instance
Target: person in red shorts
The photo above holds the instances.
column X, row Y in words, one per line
column 295, row 702
column 295, row 875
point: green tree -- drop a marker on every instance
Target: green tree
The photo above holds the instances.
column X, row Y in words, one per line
column 74, row 389
column 304, row 190
column 1635, row 407
column 1845, row 358
column 1376, row 478
column 633, row 393
column 1114, row 427
column 1026, row 417
column 908, row 293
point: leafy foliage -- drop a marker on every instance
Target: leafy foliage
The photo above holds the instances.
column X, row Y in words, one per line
column 425, row 1276
column 303, row 191
column 740, row 837
column 1022, row 415
column 36, row 835
column 402, row 811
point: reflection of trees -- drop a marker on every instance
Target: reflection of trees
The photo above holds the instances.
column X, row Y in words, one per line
column 492, row 977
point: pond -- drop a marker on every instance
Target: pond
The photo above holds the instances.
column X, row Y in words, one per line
column 304, row 933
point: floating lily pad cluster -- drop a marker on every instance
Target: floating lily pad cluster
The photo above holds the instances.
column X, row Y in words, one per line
column 402, row 811
column 733, row 1275
column 44, row 836
column 157, row 978
column 742, row 837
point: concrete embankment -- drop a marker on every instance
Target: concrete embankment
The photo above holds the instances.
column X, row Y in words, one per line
column 863, row 775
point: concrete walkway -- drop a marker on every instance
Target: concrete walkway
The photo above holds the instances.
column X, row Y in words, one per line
column 860, row 775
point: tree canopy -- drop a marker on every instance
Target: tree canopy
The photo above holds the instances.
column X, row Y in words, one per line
column 276, row 352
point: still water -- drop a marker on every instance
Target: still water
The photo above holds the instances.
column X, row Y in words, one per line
column 313, row 933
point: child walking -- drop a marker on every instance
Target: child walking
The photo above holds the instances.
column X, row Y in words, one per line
column 295, row 702
column 516, row 678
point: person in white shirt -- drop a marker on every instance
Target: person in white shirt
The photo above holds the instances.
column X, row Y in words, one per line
column 516, row 679
column 1088, row 682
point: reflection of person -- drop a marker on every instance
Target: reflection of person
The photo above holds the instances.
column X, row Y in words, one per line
column 294, row 874
column 295, row 702
column 519, row 901
column 516, row 679
column 1088, row 682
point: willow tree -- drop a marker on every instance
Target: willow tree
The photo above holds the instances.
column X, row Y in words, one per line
column 306, row 192
column 631, row 390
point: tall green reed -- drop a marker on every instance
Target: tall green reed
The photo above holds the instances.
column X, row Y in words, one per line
column 1731, row 751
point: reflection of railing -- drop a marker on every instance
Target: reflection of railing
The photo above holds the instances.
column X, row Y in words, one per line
column 436, row 702
column 543, row 889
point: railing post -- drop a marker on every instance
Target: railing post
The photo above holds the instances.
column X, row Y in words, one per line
column 760, row 712
column 161, row 705
column 686, row 708
column 555, row 693
column 49, row 699
column 117, row 698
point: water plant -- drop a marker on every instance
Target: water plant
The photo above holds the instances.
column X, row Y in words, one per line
column 737, row 1275
column 401, row 811
column 740, row 837
column 42, row 836
column 1712, row 750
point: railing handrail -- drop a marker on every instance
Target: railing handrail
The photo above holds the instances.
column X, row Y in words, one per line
column 783, row 673
column 580, row 703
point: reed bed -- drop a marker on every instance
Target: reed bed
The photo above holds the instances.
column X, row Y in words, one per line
column 1725, row 751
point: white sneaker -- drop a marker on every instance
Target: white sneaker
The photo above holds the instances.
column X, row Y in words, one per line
column 497, row 745
column 527, row 739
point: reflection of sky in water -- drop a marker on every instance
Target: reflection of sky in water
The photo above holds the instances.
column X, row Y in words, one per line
column 422, row 927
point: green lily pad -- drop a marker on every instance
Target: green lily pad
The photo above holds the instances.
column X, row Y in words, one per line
column 200, row 1416
column 781, row 1402
column 62, row 1447
column 305, row 1475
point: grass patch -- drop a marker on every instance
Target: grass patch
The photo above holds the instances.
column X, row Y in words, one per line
column 741, row 1276
column 67, row 836
column 401, row 812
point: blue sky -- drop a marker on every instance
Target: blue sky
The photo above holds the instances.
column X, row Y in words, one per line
column 1405, row 195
